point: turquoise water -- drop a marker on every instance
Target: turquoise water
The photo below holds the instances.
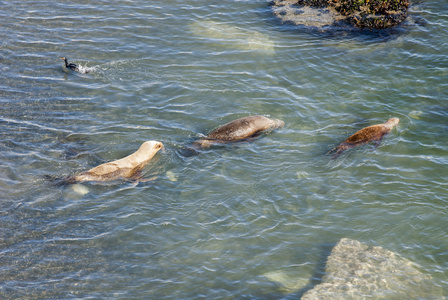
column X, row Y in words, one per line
column 214, row 225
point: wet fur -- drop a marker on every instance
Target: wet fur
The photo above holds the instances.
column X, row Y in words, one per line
column 241, row 129
column 373, row 133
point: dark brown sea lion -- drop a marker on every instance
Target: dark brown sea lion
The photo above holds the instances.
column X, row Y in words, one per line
column 374, row 133
column 237, row 130
column 128, row 167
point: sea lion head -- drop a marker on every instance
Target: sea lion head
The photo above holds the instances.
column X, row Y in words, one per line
column 148, row 149
column 392, row 122
column 277, row 123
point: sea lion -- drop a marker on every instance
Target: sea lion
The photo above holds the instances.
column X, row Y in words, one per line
column 237, row 130
column 373, row 133
column 128, row 167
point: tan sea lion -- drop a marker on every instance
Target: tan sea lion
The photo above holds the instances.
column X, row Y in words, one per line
column 374, row 133
column 128, row 167
column 237, row 130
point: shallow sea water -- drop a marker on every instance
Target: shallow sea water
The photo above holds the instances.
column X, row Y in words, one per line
column 217, row 225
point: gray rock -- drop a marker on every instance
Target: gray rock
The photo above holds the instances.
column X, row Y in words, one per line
column 357, row 271
column 337, row 13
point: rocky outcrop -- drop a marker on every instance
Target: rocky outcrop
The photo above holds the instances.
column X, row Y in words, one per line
column 357, row 271
column 374, row 14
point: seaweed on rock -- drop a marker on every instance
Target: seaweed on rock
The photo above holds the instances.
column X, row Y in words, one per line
column 373, row 14
column 377, row 14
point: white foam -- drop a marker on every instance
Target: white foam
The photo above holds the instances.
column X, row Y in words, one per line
column 84, row 70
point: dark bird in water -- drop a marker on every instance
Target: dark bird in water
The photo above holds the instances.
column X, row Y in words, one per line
column 70, row 66
column 374, row 133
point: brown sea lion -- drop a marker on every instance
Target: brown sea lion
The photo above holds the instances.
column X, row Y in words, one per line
column 374, row 133
column 128, row 167
column 237, row 130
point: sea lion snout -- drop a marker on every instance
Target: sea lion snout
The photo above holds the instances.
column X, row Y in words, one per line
column 278, row 123
column 156, row 145
column 159, row 146
column 393, row 121
column 150, row 146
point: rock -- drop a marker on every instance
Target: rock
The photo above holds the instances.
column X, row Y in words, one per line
column 415, row 114
column 309, row 16
column 357, row 271
column 373, row 14
column 171, row 176
column 80, row 189
column 302, row 174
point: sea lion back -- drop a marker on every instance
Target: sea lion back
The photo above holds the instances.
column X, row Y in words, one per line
column 373, row 133
column 244, row 128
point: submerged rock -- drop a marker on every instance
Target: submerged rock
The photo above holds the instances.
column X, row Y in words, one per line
column 374, row 14
column 357, row 271
column 288, row 282
column 231, row 36
column 415, row 114
column 80, row 189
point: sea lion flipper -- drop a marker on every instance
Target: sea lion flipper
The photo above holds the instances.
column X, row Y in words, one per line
column 258, row 133
column 136, row 173
column 337, row 151
column 377, row 143
column 59, row 181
